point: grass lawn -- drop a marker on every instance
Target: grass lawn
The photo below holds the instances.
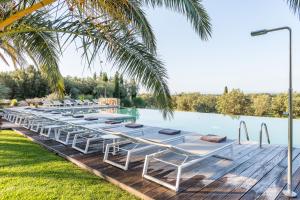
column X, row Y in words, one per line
column 27, row 171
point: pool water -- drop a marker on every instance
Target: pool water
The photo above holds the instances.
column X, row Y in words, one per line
column 210, row 123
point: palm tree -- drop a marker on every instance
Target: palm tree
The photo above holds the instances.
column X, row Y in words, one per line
column 118, row 28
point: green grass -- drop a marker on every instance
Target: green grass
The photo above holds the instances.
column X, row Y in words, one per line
column 27, row 171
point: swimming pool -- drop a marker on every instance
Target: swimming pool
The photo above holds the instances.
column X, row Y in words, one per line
column 209, row 123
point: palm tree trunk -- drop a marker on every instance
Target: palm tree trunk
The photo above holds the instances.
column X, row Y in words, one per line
column 24, row 12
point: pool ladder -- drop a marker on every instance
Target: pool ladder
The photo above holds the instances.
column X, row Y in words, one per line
column 263, row 129
column 243, row 125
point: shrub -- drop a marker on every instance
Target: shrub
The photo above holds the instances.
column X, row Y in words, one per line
column 89, row 97
column 81, row 97
column 126, row 102
column 74, row 92
column 14, row 102
column 138, row 102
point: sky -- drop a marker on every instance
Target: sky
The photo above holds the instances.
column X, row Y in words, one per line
column 231, row 57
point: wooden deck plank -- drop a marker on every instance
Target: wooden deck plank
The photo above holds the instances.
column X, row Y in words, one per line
column 251, row 180
column 296, row 181
column 197, row 175
column 267, row 180
column 240, row 158
column 221, row 187
column 277, row 186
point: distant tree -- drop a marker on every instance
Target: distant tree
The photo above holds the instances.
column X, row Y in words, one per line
column 4, row 91
column 150, row 101
column 234, row 102
column 279, row 105
column 74, row 93
column 105, row 80
column 138, row 102
column 133, row 90
column 261, row 104
column 296, row 105
column 104, row 77
column 185, row 103
column 103, row 89
column 117, row 86
column 225, row 90
column 124, row 88
column 95, row 76
column 205, row 103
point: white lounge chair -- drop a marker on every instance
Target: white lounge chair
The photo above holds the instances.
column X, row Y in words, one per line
column 92, row 140
column 189, row 149
column 68, row 103
column 135, row 143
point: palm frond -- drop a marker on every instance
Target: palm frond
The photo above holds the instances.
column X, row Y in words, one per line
column 294, row 6
column 192, row 9
column 118, row 28
column 133, row 59
column 127, row 13
column 40, row 46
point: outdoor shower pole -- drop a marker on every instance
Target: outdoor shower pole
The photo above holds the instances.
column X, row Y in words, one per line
column 289, row 191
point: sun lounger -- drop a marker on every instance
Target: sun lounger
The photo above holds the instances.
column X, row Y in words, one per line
column 92, row 140
column 57, row 103
column 67, row 103
column 66, row 135
column 189, row 149
column 136, row 143
column 51, row 129
column 78, row 102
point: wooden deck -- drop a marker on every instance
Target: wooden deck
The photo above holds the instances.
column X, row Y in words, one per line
column 254, row 174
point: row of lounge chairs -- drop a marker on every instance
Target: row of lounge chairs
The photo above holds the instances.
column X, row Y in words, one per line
column 122, row 141
column 70, row 102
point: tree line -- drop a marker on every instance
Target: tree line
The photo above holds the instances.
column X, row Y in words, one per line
column 234, row 102
column 30, row 83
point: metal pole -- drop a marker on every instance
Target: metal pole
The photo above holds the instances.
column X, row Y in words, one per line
column 289, row 191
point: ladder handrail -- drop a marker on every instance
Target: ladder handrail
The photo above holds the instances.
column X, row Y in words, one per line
column 243, row 124
column 263, row 126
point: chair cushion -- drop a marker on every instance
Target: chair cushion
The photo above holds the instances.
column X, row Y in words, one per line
column 55, row 112
column 78, row 116
column 134, row 125
column 91, row 118
column 66, row 114
column 113, row 122
column 213, row 138
column 169, row 131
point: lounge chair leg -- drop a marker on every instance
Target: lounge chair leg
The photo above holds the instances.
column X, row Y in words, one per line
column 67, row 138
column 114, row 147
column 74, row 141
column 49, row 132
column 55, row 133
column 146, row 164
column 178, row 179
column 127, row 160
column 87, row 146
